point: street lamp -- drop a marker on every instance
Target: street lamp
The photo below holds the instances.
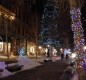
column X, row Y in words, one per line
column 39, row 47
column 48, row 45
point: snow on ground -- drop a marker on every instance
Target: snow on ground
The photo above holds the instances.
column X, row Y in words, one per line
column 75, row 77
column 5, row 72
column 28, row 63
column 22, row 60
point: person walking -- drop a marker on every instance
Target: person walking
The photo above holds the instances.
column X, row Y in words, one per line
column 67, row 56
column 62, row 56
column 48, row 53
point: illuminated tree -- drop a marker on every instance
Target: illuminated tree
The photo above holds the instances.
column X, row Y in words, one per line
column 78, row 33
column 77, row 29
column 49, row 26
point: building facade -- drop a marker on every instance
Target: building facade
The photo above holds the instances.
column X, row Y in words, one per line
column 16, row 37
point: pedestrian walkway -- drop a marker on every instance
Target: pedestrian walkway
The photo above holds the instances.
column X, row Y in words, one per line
column 45, row 71
column 22, row 60
column 33, row 67
column 75, row 77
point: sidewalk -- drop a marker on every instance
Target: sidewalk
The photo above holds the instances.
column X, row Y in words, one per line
column 75, row 77
column 28, row 64
column 45, row 71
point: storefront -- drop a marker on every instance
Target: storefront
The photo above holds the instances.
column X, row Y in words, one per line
column 4, row 46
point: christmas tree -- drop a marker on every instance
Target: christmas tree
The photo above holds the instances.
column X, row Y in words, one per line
column 49, row 24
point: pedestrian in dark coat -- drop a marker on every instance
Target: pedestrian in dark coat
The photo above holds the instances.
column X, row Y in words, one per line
column 48, row 53
column 67, row 57
column 62, row 56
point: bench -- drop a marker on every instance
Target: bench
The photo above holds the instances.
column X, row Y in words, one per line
column 1, row 70
column 47, row 60
column 13, row 66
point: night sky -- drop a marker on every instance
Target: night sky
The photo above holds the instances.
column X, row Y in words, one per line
column 83, row 11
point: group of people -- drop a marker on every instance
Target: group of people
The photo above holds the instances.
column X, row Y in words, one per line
column 66, row 57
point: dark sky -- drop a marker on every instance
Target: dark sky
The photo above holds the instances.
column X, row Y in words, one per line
column 83, row 11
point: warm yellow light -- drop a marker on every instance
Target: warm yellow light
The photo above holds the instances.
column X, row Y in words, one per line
column 40, row 47
column 0, row 13
column 1, row 46
column 73, row 55
column 48, row 45
column 12, row 17
column 79, row 66
column 61, row 49
column 32, row 49
column 85, row 47
column 46, row 50
column 6, row 16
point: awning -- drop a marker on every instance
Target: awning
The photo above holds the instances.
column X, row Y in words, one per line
column 3, row 38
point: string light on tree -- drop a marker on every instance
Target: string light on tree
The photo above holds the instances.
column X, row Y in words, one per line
column 49, row 24
column 78, row 32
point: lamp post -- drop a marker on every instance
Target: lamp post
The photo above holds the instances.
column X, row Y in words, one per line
column 6, row 40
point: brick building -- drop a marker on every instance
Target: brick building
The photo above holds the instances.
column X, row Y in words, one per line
column 16, row 35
